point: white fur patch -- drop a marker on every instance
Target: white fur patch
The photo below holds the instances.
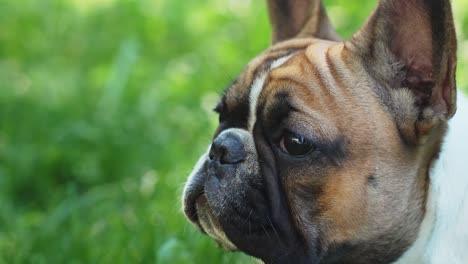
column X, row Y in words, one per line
column 277, row 63
column 449, row 186
column 256, row 89
column 443, row 237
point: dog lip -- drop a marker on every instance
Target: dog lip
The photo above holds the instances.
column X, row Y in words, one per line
column 190, row 208
column 200, row 203
column 210, row 224
column 193, row 207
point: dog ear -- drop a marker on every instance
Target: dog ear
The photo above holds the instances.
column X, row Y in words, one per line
column 409, row 46
column 299, row 18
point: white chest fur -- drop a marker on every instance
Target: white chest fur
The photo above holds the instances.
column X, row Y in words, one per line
column 443, row 237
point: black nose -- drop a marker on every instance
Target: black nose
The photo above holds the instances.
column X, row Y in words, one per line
column 227, row 148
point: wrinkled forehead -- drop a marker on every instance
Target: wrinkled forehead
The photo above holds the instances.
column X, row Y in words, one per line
column 288, row 75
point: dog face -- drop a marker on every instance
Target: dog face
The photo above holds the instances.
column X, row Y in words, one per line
column 324, row 147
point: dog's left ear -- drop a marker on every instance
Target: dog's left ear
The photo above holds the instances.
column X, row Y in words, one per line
column 299, row 18
column 409, row 46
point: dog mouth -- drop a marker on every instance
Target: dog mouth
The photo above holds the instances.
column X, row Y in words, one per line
column 199, row 213
column 237, row 216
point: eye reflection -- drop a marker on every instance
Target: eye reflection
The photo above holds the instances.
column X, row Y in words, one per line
column 295, row 144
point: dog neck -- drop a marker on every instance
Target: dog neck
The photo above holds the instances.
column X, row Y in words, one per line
column 443, row 235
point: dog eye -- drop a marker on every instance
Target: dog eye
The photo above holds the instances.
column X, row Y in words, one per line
column 295, row 145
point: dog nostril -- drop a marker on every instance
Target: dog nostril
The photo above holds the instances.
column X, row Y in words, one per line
column 227, row 148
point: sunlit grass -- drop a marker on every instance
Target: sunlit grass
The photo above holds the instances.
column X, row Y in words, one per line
column 91, row 5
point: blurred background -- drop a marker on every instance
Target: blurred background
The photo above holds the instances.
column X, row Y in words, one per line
column 105, row 105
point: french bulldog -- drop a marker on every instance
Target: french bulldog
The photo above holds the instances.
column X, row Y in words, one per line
column 332, row 151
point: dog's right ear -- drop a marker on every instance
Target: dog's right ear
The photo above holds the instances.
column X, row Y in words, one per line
column 299, row 18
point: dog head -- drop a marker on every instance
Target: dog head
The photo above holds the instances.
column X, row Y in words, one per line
column 324, row 147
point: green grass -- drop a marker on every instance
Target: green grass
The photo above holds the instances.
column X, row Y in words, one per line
column 105, row 106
